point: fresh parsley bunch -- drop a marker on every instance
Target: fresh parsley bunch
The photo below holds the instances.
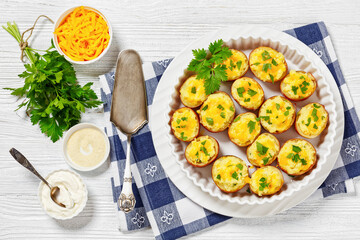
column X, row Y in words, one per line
column 208, row 65
column 53, row 98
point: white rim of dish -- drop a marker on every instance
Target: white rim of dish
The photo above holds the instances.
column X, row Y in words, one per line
column 81, row 208
column 66, row 139
column 162, row 100
column 61, row 18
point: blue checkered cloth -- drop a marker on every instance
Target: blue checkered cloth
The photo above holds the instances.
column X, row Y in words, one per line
column 160, row 204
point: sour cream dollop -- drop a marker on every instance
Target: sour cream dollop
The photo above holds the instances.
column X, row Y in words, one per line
column 73, row 194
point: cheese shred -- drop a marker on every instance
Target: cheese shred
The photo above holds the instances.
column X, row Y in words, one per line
column 83, row 35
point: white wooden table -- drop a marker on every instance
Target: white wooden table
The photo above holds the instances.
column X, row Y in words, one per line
column 157, row 30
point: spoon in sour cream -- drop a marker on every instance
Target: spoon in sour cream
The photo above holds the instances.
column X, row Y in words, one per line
column 54, row 191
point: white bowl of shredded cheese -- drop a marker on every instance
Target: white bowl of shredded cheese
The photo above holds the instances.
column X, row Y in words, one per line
column 85, row 147
column 73, row 194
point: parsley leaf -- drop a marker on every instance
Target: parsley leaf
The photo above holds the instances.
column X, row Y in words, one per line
column 208, row 65
column 237, row 119
column 265, row 160
column 272, row 78
column 251, row 92
column 193, row 90
column 265, row 55
column 277, row 106
column 286, row 113
column 218, row 177
column 204, row 108
column 308, row 122
column 247, row 100
column 315, row 126
column 274, row 62
column 235, row 175
column 251, row 126
column 263, row 184
column 238, row 64
column 222, row 114
column 314, row 115
column 294, row 89
column 266, row 66
column 262, row 150
column 182, row 136
column 240, row 91
column 210, row 121
column 220, row 107
column 296, row 149
column 240, row 166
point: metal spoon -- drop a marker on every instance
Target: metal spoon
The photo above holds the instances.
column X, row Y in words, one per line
column 128, row 112
column 54, row 191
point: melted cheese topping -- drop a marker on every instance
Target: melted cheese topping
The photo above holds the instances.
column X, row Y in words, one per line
column 192, row 92
column 273, row 59
column 297, row 165
column 217, row 112
column 266, row 181
column 230, row 173
column 185, row 124
column 201, row 150
column 311, row 120
column 244, row 129
column 248, row 93
column 298, row 85
column 237, row 65
column 277, row 114
column 260, row 156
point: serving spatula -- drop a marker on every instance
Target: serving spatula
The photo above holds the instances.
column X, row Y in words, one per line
column 128, row 112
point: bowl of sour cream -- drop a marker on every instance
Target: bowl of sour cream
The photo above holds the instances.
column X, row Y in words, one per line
column 85, row 147
column 73, row 194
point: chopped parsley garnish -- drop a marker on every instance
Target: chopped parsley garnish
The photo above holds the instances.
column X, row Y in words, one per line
column 240, row 91
column 222, row 114
column 238, row 64
column 247, row 100
column 232, row 108
column 251, row 126
column 302, row 77
column 290, row 155
column 274, row 62
column 316, row 106
column 257, row 63
column 218, row 177
column 265, row 160
column 235, row 176
column 184, row 118
column 303, row 161
column 251, row 92
column 232, row 65
column 263, row 184
column 286, row 113
column 182, row 126
column 204, row 150
column 220, row 107
column 240, row 166
column 182, row 136
column 296, row 148
column 178, row 121
column 308, row 122
column 203, row 142
column 322, row 117
column 266, row 66
column 288, row 108
column 277, row 106
column 265, row 55
column 193, row 90
column 294, row 89
column 266, row 118
column 314, row 115
column 268, row 111
column 272, row 78
column 249, row 84
column 237, row 119
column 262, row 150
column 204, row 108
column 210, row 121
column 315, row 126
column 303, row 87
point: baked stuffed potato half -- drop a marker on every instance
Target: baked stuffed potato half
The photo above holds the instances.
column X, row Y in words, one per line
column 266, row 181
column 192, row 92
column 277, row 114
column 247, row 93
column 311, row 120
column 217, row 112
column 267, row 64
column 297, row 156
column 237, row 65
column 185, row 124
column 244, row 129
column 230, row 173
column 202, row 151
column 298, row 85
column 264, row 150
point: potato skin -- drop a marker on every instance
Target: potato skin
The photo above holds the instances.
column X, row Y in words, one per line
column 305, row 136
column 210, row 161
column 268, row 194
column 256, row 75
column 249, row 108
column 247, row 69
column 302, row 99
column 311, row 166
column 270, row 162
column 223, row 190
column 185, row 104
column 254, row 138
column 293, row 118
column 224, row 128
column 197, row 118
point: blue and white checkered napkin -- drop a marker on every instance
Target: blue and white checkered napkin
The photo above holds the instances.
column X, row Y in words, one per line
column 161, row 205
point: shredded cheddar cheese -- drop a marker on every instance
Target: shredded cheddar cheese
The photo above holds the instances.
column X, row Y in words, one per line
column 83, row 35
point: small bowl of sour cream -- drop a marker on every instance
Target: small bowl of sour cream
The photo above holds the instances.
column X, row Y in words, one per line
column 73, row 194
column 85, row 147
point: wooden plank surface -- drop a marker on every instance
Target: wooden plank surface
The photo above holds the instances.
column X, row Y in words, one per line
column 158, row 30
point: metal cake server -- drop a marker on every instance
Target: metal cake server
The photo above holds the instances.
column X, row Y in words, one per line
column 128, row 112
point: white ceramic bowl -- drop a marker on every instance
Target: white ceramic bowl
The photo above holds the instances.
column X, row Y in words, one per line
column 81, row 207
column 66, row 139
column 59, row 21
